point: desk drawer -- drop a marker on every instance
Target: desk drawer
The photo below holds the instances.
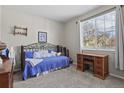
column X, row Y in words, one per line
column 99, row 59
column 79, row 57
column 80, row 62
column 99, row 62
column 98, row 66
column 5, row 80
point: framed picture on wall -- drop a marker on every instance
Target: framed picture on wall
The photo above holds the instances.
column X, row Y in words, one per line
column 42, row 37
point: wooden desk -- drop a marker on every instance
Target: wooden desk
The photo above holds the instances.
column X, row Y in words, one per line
column 99, row 63
column 6, row 75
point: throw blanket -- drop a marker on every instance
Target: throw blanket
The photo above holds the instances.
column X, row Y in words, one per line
column 33, row 61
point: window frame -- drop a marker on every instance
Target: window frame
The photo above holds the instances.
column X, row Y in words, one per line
column 96, row 48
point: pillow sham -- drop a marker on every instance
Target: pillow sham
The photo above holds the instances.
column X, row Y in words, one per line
column 40, row 54
column 44, row 54
column 50, row 50
column 37, row 55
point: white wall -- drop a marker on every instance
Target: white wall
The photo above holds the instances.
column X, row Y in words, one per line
column 72, row 35
column 34, row 24
column 10, row 18
column 0, row 21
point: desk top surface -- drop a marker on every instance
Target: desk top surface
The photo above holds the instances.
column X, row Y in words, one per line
column 5, row 67
column 93, row 54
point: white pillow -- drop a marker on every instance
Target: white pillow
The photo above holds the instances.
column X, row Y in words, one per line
column 37, row 55
column 49, row 55
column 40, row 54
column 53, row 53
column 44, row 55
column 43, row 51
column 59, row 54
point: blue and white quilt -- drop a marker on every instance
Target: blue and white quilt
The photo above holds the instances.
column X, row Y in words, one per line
column 47, row 64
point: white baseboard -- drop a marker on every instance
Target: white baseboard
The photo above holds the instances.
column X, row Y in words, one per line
column 16, row 70
column 75, row 63
column 117, row 76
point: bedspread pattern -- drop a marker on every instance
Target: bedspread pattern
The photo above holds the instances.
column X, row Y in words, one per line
column 47, row 64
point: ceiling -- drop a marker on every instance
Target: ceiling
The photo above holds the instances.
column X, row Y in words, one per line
column 60, row 13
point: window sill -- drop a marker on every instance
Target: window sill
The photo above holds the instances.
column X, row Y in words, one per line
column 106, row 50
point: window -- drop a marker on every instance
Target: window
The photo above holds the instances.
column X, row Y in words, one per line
column 98, row 32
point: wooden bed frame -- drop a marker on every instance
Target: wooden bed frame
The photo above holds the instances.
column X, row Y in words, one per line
column 41, row 46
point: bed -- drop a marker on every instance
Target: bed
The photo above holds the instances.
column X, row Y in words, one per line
column 32, row 66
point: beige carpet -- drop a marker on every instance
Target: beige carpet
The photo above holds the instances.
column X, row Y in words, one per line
column 67, row 78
